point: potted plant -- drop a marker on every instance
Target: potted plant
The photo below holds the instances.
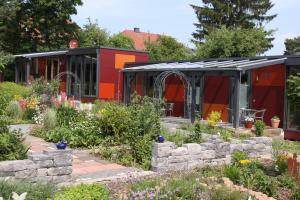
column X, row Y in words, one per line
column 275, row 121
column 249, row 121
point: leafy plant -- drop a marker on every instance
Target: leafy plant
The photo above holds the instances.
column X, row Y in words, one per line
column 83, row 191
column 14, row 110
column 34, row 191
column 275, row 117
column 213, row 118
column 29, row 113
column 237, row 156
column 281, row 162
column 259, row 127
column 264, row 183
column 66, row 115
column 10, row 89
column 49, row 119
column 296, row 193
column 233, row 172
column 287, row 181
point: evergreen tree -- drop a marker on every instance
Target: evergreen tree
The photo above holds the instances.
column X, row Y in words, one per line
column 230, row 13
column 292, row 46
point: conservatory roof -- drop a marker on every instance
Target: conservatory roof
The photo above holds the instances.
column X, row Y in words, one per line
column 42, row 54
column 210, row 65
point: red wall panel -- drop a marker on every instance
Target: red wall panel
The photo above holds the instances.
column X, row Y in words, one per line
column 174, row 93
column 110, row 71
column 216, row 96
column 268, row 91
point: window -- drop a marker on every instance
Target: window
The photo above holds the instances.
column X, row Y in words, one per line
column 52, row 68
column 84, row 75
column 293, row 113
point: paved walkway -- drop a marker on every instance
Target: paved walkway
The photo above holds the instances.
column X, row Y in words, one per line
column 86, row 167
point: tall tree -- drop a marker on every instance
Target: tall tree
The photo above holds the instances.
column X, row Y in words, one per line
column 92, row 35
column 292, row 46
column 38, row 25
column 234, row 42
column 230, row 13
column 167, row 48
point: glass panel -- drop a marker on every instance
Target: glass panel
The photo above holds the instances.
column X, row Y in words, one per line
column 244, row 91
column 293, row 114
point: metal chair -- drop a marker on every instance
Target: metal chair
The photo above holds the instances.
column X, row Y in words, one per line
column 169, row 109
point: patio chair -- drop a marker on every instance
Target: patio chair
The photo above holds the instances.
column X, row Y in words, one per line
column 169, row 109
column 259, row 114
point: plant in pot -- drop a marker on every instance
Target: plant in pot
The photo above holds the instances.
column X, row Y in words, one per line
column 275, row 121
column 249, row 120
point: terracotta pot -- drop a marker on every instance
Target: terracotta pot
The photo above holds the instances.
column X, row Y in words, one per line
column 275, row 123
column 248, row 125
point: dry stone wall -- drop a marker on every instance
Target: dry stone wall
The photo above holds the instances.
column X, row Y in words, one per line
column 214, row 151
column 50, row 166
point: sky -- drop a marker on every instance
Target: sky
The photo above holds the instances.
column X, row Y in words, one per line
column 176, row 18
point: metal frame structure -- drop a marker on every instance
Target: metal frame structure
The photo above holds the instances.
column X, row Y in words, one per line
column 194, row 71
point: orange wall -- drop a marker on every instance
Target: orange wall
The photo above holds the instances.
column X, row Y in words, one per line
column 216, row 96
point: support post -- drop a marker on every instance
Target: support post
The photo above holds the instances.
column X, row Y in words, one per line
column 193, row 100
column 27, row 71
column 236, row 111
column 16, row 72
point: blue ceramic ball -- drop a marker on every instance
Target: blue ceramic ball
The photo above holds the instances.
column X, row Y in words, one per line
column 161, row 139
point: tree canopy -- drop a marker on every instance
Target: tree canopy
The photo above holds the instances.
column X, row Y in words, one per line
column 230, row 13
column 37, row 25
column 292, row 46
column 167, row 48
column 121, row 41
column 234, row 42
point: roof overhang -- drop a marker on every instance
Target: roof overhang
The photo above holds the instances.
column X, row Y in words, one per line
column 212, row 65
column 42, row 54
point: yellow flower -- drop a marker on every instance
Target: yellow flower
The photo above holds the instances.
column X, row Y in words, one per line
column 244, row 162
column 102, row 111
column 17, row 97
column 32, row 103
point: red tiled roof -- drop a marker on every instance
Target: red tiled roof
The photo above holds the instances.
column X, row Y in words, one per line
column 140, row 38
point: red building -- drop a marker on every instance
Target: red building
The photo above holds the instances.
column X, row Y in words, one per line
column 87, row 73
column 228, row 86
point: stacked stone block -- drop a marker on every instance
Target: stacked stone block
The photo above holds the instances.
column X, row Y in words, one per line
column 214, row 151
column 50, row 166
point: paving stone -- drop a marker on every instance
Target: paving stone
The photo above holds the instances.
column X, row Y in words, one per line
column 59, row 171
column 193, row 148
column 180, row 151
column 39, row 157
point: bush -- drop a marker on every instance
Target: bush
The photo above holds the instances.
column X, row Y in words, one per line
column 296, row 193
column 49, row 119
column 67, row 115
column 223, row 193
column 3, row 104
column 264, row 183
column 287, row 181
column 34, row 191
column 43, row 87
column 9, row 90
column 281, row 162
column 14, row 110
column 29, row 113
column 11, row 143
column 233, row 173
column 83, row 191
column 237, row 156
column 214, row 118
column 259, row 127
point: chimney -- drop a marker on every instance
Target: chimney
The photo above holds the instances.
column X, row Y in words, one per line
column 137, row 30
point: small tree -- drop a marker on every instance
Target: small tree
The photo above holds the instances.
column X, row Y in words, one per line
column 121, row 41
column 238, row 42
column 293, row 89
column 167, row 48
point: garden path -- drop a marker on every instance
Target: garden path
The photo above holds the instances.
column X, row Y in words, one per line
column 86, row 167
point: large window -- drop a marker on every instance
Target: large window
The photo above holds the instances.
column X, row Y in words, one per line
column 293, row 113
column 52, row 68
column 84, row 75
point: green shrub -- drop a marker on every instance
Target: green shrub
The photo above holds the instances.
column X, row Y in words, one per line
column 83, row 191
column 237, row 156
column 196, row 134
column 225, row 134
column 10, row 89
column 287, row 181
column 34, row 191
column 264, row 183
column 233, row 173
column 296, row 193
column 259, row 127
column 14, row 110
column 29, row 113
column 281, row 162
column 49, row 119
column 67, row 115
column 223, row 193
column 3, row 104
column 41, row 86
column 11, row 143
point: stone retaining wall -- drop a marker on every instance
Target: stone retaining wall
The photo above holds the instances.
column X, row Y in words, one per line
column 214, row 151
column 50, row 166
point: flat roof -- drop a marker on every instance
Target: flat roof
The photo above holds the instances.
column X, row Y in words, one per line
column 210, row 65
column 73, row 52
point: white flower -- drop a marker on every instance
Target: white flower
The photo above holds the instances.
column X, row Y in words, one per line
column 249, row 119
